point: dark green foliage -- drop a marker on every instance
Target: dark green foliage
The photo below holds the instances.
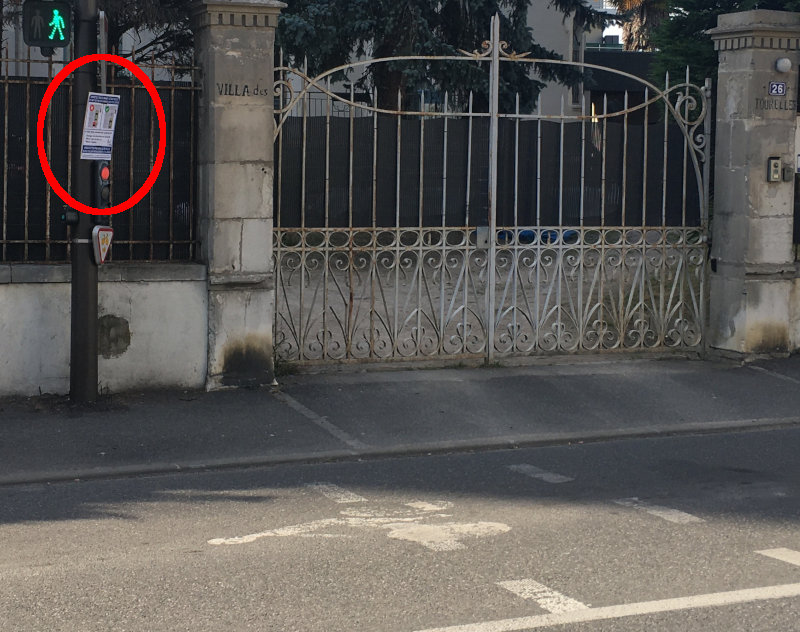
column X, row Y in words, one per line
column 329, row 33
column 167, row 22
column 681, row 39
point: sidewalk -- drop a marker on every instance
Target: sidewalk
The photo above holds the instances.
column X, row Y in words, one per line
column 368, row 414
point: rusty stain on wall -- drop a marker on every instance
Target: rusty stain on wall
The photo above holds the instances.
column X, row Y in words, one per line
column 248, row 361
column 768, row 337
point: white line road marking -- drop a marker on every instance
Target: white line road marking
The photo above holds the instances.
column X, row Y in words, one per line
column 320, row 421
column 780, row 376
column 336, row 494
column 547, row 598
column 673, row 515
column 710, row 600
column 542, row 475
column 784, row 555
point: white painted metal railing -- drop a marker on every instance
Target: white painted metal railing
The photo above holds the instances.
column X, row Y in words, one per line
column 453, row 232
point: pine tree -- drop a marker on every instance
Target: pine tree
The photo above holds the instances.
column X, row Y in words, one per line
column 329, row 33
column 682, row 42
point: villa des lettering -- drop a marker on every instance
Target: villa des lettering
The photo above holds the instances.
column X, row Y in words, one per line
column 240, row 90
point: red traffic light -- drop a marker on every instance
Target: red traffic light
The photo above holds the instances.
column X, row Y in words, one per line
column 102, row 183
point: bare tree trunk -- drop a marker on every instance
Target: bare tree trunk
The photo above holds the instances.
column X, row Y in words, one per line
column 389, row 84
column 388, row 80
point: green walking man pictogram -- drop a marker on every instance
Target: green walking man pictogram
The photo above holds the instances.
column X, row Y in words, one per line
column 58, row 25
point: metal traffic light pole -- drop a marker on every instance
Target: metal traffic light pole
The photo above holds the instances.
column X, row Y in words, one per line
column 83, row 328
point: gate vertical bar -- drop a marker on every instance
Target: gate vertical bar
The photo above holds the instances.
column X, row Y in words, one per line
column 645, row 129
column 494, row 124
column 398, row 232
column 559, row 239
column 685, row 256
column 443, row 265
column 421, row 237
column 467, row 275
column 537, row 287
column 352, row 313
column 279, row 287
column 621, row 288
column 603, row 248
column 326, row 264
column 706, row 157
column 704, row 205
column 373, row 263
column 304, row 253
column 4, row 218
column 582, row 234
column 27, row 197
column 514, row 250
column 663, row 307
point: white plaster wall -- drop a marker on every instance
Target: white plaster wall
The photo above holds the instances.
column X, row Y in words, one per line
column 34, row 338
column 794, row 317
column 168, row 341
column 169, row 335
column 552, row 31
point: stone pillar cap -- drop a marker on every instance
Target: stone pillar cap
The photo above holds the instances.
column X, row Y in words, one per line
column 215, row 5
column 756, row 21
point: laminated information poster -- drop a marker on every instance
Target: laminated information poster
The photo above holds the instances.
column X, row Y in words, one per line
column 98, row 126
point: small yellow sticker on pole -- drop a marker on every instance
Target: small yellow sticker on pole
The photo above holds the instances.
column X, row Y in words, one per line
column 101, row 240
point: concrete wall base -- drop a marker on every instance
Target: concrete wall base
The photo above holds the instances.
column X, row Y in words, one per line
column 240, row 336
column 152, row 327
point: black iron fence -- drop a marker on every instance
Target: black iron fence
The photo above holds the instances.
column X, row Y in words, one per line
column 161, row 227
column 589, row 174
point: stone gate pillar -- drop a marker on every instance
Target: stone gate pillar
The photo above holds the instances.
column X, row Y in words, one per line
column 234, row 45
column 752, row 256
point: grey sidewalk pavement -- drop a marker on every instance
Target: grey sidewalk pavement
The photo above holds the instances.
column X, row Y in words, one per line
column 369, row 413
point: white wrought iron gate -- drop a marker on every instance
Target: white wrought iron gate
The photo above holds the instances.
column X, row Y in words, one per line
column 449, row 230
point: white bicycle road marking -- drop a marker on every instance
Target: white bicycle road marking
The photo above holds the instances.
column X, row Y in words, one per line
column 419, row 524
column 667, row 513
column 549, row 599
column 336, row 494
column 446, row 536
column 542, row 475
column 422, row 505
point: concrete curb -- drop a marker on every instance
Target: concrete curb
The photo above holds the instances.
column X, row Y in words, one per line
column 437, row 447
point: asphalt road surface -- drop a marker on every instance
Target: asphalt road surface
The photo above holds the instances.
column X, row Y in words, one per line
column 685, row 533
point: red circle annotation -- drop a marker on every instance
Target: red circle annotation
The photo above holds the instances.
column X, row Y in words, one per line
column 162, row 135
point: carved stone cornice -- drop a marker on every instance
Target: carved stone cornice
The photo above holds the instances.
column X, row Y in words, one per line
column 239, row 13
column 757, row 30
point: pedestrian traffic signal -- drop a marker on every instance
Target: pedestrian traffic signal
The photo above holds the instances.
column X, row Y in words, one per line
column 47, row 23
column 102, row 184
